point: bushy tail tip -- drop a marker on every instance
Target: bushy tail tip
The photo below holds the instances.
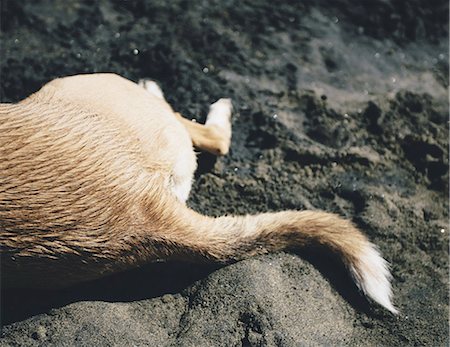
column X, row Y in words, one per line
column 372, row 275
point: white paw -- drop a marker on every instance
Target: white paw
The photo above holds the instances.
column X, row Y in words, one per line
column 152, row 87
column 220, row 114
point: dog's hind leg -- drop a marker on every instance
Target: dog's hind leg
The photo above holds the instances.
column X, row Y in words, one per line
column 215, row 135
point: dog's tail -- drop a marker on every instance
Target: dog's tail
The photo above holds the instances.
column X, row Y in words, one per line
column 231, row 238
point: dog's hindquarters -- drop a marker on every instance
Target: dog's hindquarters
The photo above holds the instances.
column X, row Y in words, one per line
column 83, row 195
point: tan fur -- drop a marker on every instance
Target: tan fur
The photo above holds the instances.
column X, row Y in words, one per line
column 207, row 138
column 86, row 189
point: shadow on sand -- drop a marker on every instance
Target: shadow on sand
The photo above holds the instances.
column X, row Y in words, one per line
column 157, row 279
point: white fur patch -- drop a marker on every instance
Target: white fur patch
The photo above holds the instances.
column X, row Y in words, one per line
column 371, row 273
column 152, row 87
column 220, row 114
column 183, row 174
column 182, row 190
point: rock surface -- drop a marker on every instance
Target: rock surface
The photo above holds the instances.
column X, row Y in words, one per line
column 340, row 106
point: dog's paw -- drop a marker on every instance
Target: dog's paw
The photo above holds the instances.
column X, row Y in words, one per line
column 220, row 114
column 152, row 87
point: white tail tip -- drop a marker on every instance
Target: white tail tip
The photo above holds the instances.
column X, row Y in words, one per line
column 372, row 275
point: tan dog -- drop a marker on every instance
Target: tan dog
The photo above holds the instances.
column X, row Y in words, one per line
column 95, row 172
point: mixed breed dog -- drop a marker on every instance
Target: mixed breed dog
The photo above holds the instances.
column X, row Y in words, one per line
column 95, row 174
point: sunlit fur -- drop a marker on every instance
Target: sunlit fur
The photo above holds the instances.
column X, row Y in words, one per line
column 90, row 167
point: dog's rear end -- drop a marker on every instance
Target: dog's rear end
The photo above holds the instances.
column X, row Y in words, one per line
column 95, row 172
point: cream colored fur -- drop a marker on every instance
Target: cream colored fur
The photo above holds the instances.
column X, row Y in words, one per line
column 95, row 172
